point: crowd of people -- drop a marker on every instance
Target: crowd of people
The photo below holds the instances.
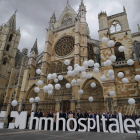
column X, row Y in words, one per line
column 77, row 115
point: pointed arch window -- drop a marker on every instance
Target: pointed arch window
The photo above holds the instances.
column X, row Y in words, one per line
column 7, row 48
column 72, row 63
column 115, row 27
column 65, row 68
column 120, row 56
column 90, row 52
column 4, row 61
column 10, row 38
column 59, row 67
column 53, row 68
column 136, row 46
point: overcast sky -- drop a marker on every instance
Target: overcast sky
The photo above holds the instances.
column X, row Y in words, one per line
column 33, row 16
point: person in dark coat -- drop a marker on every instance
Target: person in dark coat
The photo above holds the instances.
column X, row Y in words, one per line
column 39, row 113
column 61, row 115
column 79, row 115
column 134, row 116
column 50, row 115
column 10, row 119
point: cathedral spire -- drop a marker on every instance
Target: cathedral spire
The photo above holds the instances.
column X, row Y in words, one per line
column 82, row 12
column 12, row 22
column 67, row 2
column 124, row 9
column 52, row 20
column 35, row 49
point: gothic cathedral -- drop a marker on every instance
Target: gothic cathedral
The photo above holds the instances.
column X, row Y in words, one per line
column 68, row 38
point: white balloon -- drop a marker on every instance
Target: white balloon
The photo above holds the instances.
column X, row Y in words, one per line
column 90, row 63
column 14, row 103
column 96, row 65
column 89, row 75
column 45, row 89
column 66, row 62
column 84, row 76
column 70, row 73
column 93, row 85
column 83, row 69
column 40, row 82
column 68, row 85
column 79, row 68
column 31, row 100
column 50, row 92
column 69, row 68
column 113, row 58
column 137, row 77
column 37, row 89
column 121, row 49
column 84, row 73
column 85, row 64
column 131, row 101
column 95, row 70
column 103, row 78
column 111, row 72
column 108, row 62
column 57, row 86
column 73, row 82
column 56, row 80
column 79, row 81
column 120, row 74
column 112, row 93
column 110, row 43
column 76, row 65
column 130, row 62
column 49, row 77
column 80, row 92
column 105, row 63
column 125, row 80
column 111, row 77
column 38, row 71
column 50, row 87
column 75, row 71
column 54, row 75
column 37, row 99
column 90, row 99
column 60, row 77
column 104, row 39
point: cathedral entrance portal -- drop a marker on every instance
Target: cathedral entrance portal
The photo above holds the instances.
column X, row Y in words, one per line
column 96, row 93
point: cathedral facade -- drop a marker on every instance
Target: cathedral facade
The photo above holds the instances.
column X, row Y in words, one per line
column 68, row 38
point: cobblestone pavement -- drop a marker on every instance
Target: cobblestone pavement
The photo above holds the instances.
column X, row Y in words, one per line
column 16, row 134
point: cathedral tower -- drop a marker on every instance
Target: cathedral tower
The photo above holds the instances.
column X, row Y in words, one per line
column 9, row 41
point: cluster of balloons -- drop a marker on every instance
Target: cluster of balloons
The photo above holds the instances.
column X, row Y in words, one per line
column 84, row 75
column 110, row 73
column 37, row 99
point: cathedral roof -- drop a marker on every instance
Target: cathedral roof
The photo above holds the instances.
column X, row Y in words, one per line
column 35, row 49
column 12, row 22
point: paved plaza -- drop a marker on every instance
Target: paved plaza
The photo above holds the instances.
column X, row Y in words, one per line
column 16, row 134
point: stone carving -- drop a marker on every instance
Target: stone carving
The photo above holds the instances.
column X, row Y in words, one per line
column 67, row 20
